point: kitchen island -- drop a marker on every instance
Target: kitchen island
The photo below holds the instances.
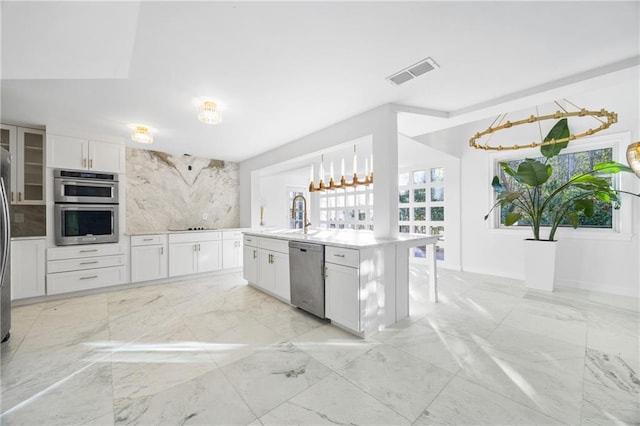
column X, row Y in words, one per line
column 366, row 278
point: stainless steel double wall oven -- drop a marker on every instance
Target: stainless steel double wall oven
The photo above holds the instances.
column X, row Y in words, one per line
column 86, row 207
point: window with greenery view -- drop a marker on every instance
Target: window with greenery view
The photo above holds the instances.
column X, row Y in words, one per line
column 564, row 167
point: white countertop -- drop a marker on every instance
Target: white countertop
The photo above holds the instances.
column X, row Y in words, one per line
column 183, row 231
column 344, row 237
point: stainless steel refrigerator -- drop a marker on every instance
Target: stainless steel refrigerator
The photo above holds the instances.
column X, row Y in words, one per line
column 5, row 246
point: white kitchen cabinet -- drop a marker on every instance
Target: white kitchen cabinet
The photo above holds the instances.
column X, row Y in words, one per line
column 85, row 267
column 273, row 268
column 342, row 295
column 27, row 148
column 191, row 253
column 232, row 252
column 149, row 257
column 80, row 154
column 250, row 264
column 27, row 268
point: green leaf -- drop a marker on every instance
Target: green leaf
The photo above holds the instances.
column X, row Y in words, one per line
column 612, row 167
column 586, row 205
column 508, row 197
column 512, row 218
column 507, row 169
column 533, row 173
column 559, row 131
column 573, row 219
column 497, row 186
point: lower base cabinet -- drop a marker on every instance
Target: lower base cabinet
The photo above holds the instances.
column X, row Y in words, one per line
column 148, row 257
column 85, row 267
column 342, row 295
column 250, row 264
column 266, row 266
column 27, row 268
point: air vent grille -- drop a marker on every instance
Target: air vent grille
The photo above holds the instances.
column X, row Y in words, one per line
column 413, row 71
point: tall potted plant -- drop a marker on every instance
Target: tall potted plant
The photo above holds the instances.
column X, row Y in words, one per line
column 535, row 199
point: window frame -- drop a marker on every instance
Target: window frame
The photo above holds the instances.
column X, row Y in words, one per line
column 621, row 218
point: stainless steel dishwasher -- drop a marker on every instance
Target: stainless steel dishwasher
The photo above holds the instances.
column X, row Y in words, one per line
column 306, row 269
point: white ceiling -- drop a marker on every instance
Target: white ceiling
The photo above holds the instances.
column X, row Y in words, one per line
column 284, row 70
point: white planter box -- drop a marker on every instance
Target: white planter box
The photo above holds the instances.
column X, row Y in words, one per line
column 540, row 264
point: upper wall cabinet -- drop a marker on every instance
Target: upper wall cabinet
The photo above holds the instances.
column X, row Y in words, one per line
column 81, row 154
column 27, row 148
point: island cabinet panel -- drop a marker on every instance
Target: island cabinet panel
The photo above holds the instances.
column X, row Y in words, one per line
column 250, row 264
column 342, row 295
column 272, row 267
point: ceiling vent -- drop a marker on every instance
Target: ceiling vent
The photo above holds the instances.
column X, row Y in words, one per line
column 413, row 71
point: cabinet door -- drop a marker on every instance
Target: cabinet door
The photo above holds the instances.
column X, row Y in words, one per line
column 266, row 271
column 182, row 259
column 27, row 269
column 9, row 141
column 106, row 157
column 67, row 153
column 231, row 253
column 30, row 166
column 250, row 267
column 148, row 263
column 280, row 263
column 342, row 301
column 209, row 256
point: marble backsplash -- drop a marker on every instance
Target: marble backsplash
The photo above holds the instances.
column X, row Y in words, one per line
column 28, row 221
column 166, row 191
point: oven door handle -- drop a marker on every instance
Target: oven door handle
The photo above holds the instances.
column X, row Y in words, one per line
column 86, row 182
column 6, row 229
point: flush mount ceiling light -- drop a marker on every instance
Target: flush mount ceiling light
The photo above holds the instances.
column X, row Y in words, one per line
column 633, row 157
column 141, row 134
column 209, row 113
column 498, row 125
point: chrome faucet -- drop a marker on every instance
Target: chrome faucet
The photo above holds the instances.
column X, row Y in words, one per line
column 304, row 206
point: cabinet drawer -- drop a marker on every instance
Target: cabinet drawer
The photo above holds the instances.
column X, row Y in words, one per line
column 66, row 282
column 231, row 235
column 68, row 265
column 273, row 244
column 148, row 240
column 250, row 240
column 194, row 237
column 342, row 256
column 92, row 250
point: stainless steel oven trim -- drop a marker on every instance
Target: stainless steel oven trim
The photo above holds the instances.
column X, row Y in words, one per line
column 59, row 197
column 61, row 240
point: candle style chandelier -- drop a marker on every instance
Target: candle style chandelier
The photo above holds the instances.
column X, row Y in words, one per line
column 355, row 181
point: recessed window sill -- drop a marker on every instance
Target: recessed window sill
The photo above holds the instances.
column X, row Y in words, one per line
column 568, row 234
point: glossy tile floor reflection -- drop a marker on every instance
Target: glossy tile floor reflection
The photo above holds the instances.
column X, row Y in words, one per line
column 215, row 351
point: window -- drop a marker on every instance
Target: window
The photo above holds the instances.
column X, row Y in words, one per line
column 348, row 208
column 564, row 167
column 421, row 204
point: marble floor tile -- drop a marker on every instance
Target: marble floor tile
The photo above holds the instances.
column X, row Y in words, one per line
column 206, row 400
column 553, row 388
column 515, row 344
column 402, row 382
column 440, row 349
column 332, row 346
column 602, row 405
column 83, row 396
column 466, row 403
column 213, row 350
column 333, row 401
column 273, row 375
column 456, row 320
column 559, row 322
column 611, row 371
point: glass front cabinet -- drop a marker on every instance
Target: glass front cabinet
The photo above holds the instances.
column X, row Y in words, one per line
column 27, row 149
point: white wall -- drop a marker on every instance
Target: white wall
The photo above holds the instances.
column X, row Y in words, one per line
column 273, row 197
column 601, row 263
column 380, row 123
